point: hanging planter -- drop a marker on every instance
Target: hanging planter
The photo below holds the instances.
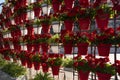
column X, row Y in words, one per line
column 56, row 5
column 23, row 61
column 45, row 28
column 84, row 23
column 82, row 48
column 83, row 75
column 45, row 67
column 68, row 25
column 30, row 30
column 56, row 26
column 37, row 47
column 29, row 47
column 103, row 76
column 55, row 70
column 68, row 48
column 102, row 20
column 37, row 9
column 36, row 65
column 104, row 49
column 45, row 47
column 69, row 4
column 45, row 9
column 84, row 3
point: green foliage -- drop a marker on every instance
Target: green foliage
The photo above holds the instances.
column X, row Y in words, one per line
column 107, row 68
column 41, row 76
column 36, row 58
column 14, row 69
column 68, row 63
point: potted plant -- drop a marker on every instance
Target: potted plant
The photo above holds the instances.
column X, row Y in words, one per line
column 37, row 9
column 83, row 66
column 56, row 4
column 104, row 40
column 69, row 4
column 104, row 69
column 82, row 41
column 41, row 76
column 44, row 63
column 55, row 62
column 28, row 39
column 36, row 60
column 67, row 40
column 68, row 64
column 45, row 22
column 84, row 17
column 22, row 56
column 69, row 19
column 45, row 40
column 103, row 13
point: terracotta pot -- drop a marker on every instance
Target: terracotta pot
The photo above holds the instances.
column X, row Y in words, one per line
column 83, row 75
column 104, row 49
column 82, row 48
column 84, row 23
column 103, row 76
column 68, row 25
column 55, row 70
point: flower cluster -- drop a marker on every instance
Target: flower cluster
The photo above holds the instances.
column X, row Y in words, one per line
column 55, row 59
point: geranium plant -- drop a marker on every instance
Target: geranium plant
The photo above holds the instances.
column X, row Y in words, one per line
column 105, row 36
column 103, row 66
column 36, row 57
column 45, row 19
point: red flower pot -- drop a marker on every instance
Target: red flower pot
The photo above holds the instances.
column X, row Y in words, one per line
column 29, row 47
column 83, row 75
column 103, row 76
column 84, row 23
column 45, row 28
column 68, row 25
column 44, row 47
column 56, row 6
column 30, row 30
column 84, row 3
column 29, row 64
column 68, row 48
column 69, row 4
column 36, row 65
column 55, row 70
column 24, row 16
column 102, row 20
column 37, row 47
column 45, row 67
column 37, row 11
column 104, row 49
column 82, row 48
column 23, row 62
